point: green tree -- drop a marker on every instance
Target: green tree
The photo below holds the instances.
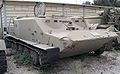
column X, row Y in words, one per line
column 87, row 3
column 107, row 2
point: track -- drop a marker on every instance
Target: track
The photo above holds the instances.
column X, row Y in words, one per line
column 41, row 58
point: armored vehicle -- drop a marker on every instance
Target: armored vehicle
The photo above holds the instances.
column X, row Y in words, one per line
column 49, row 38
column 108, row 19
column 111, row 21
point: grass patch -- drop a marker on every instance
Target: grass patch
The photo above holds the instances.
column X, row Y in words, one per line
column 23, row 58
column 77, row 66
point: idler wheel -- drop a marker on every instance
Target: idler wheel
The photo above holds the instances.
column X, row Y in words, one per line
column 20, row 49
column 43, row 61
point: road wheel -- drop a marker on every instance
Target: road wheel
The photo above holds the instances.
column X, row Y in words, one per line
column 34, row 57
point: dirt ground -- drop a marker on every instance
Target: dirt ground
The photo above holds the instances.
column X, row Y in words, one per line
column 107, row 63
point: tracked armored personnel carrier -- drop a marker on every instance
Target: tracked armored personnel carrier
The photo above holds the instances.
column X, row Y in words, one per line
column 109, row 20
column 48, row 38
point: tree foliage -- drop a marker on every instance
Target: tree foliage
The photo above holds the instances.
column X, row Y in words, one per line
column 87, row 3
column 107, row 2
